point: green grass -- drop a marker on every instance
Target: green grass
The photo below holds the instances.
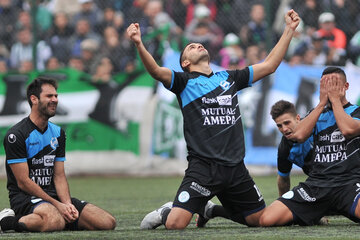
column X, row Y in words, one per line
column 129, row 199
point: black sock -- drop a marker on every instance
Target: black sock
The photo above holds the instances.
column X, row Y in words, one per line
column 218, row 211
column 7, row 223
column 12, row 223
column 164, row 214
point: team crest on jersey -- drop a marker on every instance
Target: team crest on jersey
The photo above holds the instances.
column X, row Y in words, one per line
column 11, row 138
column 54, row 143
column 225, row 85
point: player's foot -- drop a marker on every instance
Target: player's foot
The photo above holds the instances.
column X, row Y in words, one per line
column 201, row 220
column 153, row 219
column 6, row 212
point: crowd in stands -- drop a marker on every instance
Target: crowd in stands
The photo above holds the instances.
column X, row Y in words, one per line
column 89, row 35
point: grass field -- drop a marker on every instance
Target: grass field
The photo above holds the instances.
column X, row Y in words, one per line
column 129, row 199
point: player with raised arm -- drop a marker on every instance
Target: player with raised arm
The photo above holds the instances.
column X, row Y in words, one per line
column 213, row 131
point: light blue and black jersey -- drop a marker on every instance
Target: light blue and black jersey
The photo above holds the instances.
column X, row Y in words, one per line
column 212, row 121
column 336, row 160
column 25, row 143
column 290, row 153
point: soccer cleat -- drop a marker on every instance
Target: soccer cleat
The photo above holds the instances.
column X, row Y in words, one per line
column 154, row 219
column 6, row 212
column 201, row 220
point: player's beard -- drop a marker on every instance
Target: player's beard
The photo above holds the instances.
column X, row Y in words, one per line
column 203, row 57
column 44, row 109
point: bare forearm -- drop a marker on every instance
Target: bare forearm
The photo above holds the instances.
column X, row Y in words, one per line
column 273, row 60
column 62, row 189
column 283, row 184
column 348, row 126
column 303, row 130
column 159, row 73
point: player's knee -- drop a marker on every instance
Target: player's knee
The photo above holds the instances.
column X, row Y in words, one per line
column 266, row 220
column 109, row 223
column 175, row 225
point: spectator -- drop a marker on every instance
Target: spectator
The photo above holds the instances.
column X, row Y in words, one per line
column 82, row 32
column 75, row 62
column 225, row 16
column 111, row 18
column 354, row 48
column 319, row 50
column 21, row 51
column 3, row 66
column 177, row 10
column 342, row 14
column 255, row 31
column 89, row 49
column 309, row 12
column 116, row 50
column 136, row 14
column 59, row 37
column 231, row 53
column 26, row 66
column 89, row 11
column 335, row 38
column 24, row 20
column 8, row 16
column 104, row 71
column 205, row 31
column 299, row 41
column 191, row 11
column 69, row 7
column 53, row 64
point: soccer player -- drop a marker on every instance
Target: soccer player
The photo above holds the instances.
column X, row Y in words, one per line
column 38, row 189
column 213, row 131
column 286, row 118
column 334, row 180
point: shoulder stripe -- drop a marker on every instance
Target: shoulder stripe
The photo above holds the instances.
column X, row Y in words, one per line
column 283, row 174
column 172, row 80
column 20, row 160
column 251, row 75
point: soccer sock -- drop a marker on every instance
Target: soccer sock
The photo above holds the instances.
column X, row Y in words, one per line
column 218, row 211
column 12, row 223
column 164, row 214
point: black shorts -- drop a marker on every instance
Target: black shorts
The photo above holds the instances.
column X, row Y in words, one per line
column 28, row 207
column 233, row 186
column 309, row 203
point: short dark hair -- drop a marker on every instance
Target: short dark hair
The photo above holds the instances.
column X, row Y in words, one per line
column 35, row 87
column 281, row 107
column 330, row 70
column 181, row 59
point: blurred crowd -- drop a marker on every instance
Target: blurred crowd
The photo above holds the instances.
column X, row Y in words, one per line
column 90, row 35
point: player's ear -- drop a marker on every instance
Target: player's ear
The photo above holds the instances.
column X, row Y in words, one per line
column 34, row 99
column 185, row 63
column 298, row 118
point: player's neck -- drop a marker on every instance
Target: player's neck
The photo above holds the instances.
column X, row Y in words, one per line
column 40, row 121
column 202, row 67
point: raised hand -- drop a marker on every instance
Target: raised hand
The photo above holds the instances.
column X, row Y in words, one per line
column 292, row 19
column 134, row 33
